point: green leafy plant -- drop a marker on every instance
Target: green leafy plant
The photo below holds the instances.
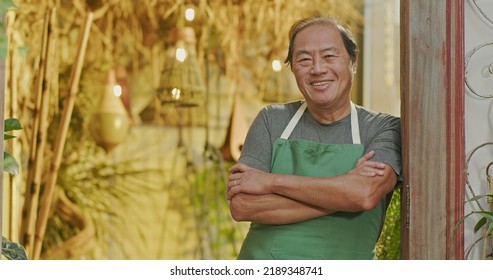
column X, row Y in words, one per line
column 389, row 244
column 11, row 250
column 485, row 223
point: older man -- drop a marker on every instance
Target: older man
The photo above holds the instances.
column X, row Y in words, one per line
column 314, row 174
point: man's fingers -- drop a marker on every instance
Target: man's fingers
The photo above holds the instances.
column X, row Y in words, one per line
column 366, row 157
column 239, row 167
column 233, row 169
column 374, row 170
column 374, row 164
column 369, row 155
column 232, row 191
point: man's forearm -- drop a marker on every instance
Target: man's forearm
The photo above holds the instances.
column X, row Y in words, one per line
column 362, row 188
column 350, row 192
column 272, row 209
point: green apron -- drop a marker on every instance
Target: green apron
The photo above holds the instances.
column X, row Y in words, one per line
column 341, row 235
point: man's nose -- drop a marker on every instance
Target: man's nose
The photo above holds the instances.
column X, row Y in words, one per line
column 318, row 66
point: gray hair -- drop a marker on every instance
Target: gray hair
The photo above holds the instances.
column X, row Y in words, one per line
column 346, row 35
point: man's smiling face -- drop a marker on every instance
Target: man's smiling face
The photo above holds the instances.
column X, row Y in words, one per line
column 322, row 66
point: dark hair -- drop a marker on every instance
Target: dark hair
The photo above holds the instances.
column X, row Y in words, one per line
column 346, row 34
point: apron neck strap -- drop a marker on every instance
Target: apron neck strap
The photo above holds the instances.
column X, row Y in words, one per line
column 355, row 125
column 297, row 116
column 294, row 120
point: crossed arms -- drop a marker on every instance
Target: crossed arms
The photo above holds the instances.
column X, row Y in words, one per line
column 268, row 198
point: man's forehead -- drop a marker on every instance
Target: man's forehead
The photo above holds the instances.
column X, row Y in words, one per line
column 328, row 39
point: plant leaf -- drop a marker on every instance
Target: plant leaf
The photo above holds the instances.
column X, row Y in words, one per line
column 12, row 124
column 462, row 221
column 486, row 214
column 478, row 197
column 480, row 224
column 8, row 136
column 12, row 250
column 10, row 164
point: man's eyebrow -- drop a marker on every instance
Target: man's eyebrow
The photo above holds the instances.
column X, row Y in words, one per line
column 299, row 52
column 331, row 48
column 328, row 49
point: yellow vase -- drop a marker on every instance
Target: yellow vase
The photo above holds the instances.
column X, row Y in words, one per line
column 110, row 122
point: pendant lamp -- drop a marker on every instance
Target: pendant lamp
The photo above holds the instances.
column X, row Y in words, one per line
column 110, row 122
column 181, row 79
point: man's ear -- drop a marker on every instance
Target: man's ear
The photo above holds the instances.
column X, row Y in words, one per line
column 354, row 66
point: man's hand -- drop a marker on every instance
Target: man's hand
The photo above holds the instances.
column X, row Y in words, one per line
column 248, row 180
column 366, row 167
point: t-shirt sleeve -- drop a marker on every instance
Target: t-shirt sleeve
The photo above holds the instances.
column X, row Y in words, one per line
column 386, row 142
column 257, row 149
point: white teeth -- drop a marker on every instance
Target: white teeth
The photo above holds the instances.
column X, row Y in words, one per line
column 319, row 83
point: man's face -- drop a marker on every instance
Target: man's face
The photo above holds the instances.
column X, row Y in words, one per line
column 321, row 65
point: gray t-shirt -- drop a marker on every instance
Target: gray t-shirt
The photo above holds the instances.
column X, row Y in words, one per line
column 379, row 132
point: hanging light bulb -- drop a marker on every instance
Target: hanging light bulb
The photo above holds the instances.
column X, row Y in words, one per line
column 276, row 65
column 189, row 14
column 110, row 122
column 181, row 54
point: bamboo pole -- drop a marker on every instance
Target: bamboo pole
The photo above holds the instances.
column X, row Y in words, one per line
column 13, row 111
column 43, row 125
column 2, row 95
column 38, row 136
column 26, row 209
column 61, row 137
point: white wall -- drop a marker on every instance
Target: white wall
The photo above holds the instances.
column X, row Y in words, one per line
column 478, row 110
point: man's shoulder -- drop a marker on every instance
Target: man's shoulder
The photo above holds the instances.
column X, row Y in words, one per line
column 282, row 109
column 372, row 116
column 283, row 106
